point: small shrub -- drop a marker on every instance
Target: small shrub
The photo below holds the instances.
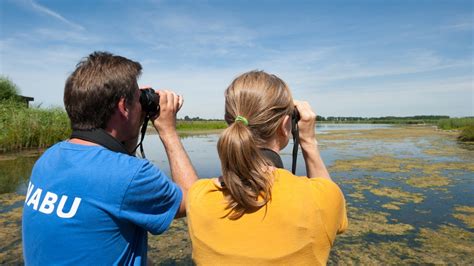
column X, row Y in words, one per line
column 467, row 134
column 8, row 90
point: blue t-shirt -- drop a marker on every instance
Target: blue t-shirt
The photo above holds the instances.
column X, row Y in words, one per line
column 88, row 205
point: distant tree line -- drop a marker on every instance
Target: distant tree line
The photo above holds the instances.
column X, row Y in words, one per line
column 417, row 119
column 197, row 118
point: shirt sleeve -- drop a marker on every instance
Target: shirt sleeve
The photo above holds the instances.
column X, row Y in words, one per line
column 332, row 204
column 151, row 200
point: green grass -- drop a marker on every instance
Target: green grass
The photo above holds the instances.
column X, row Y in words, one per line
column 466, row 124
column 200, row 125
column 467, row 134
column 455, row 123
column 26, row 128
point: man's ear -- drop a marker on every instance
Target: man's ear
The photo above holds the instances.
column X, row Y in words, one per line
column 122, row 107
column 285, row 127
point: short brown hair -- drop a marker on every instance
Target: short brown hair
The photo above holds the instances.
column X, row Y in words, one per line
column 94, row 89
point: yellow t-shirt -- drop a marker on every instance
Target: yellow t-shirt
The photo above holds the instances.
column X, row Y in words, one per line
column 297, row 227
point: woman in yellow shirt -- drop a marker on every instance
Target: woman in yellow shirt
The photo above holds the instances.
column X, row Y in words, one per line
column 257, row 212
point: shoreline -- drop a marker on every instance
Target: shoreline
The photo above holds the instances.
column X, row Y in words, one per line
column 32, row 152
column 36, row 151
column 187, row 132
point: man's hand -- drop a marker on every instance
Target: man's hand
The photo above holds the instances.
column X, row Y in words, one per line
column 182, row 171
column 170, row 103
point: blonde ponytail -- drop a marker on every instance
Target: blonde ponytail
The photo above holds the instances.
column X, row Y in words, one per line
column 258, row 101
column 243, row 170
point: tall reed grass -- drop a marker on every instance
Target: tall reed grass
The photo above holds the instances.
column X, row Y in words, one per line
column 456, row 123
column 200, row 125
column 25, row 128
column 467, row 134
column 466, row 124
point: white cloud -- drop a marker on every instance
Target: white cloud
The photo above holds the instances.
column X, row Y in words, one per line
column 188, row 35
column 322, row 66
column 44, row 10
column 453, row 97
column 461, row 25
column 202, row 88
column 40, row 72
column 212, row 50
column 65, row 36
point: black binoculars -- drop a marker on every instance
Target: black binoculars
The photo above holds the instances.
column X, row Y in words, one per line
column 150, row 102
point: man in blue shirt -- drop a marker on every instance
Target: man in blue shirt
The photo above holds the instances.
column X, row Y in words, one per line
column 89, row 200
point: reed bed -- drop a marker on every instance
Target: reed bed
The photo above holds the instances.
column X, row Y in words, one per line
column 456, row 123
column 182, row 125
column 467, row 134
column 26, row 128
column 466, row 124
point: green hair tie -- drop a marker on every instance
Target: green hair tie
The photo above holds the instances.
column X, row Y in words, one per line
column 242, row 119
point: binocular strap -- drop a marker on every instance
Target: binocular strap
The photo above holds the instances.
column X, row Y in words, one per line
column 273, row 157
column 101, row 137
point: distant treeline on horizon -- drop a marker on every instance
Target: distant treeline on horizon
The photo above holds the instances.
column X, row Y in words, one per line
column 417, row 119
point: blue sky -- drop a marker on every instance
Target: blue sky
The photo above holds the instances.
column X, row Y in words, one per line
column 347, row 58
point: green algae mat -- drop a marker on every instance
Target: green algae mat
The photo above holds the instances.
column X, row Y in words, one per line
column 408, row 190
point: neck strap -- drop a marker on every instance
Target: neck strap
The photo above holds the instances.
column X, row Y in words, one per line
column 101, row 137
column 273, row 157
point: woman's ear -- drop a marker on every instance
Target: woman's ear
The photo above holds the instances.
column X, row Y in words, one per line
column 285, row 127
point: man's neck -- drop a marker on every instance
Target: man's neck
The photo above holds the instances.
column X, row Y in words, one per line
column 111, row 132
column 82, row 142
column 100, row 137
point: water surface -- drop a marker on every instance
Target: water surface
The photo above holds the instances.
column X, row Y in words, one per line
column 408, row 191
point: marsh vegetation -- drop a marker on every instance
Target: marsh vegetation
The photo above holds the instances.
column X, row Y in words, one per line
column 407, row 189
column 456, row 123
column 26, row 128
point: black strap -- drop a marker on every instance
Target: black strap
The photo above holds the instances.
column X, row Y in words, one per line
column 142, row 132
column 273, row 157
column 296, row 138
column 101, row 137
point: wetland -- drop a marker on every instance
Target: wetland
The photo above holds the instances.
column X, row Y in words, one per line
column 408, row 191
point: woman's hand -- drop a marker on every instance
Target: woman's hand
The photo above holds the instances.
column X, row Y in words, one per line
column 307, row 122
column 315, row 166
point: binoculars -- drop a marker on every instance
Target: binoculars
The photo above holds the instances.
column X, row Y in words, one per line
column 150, row 102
